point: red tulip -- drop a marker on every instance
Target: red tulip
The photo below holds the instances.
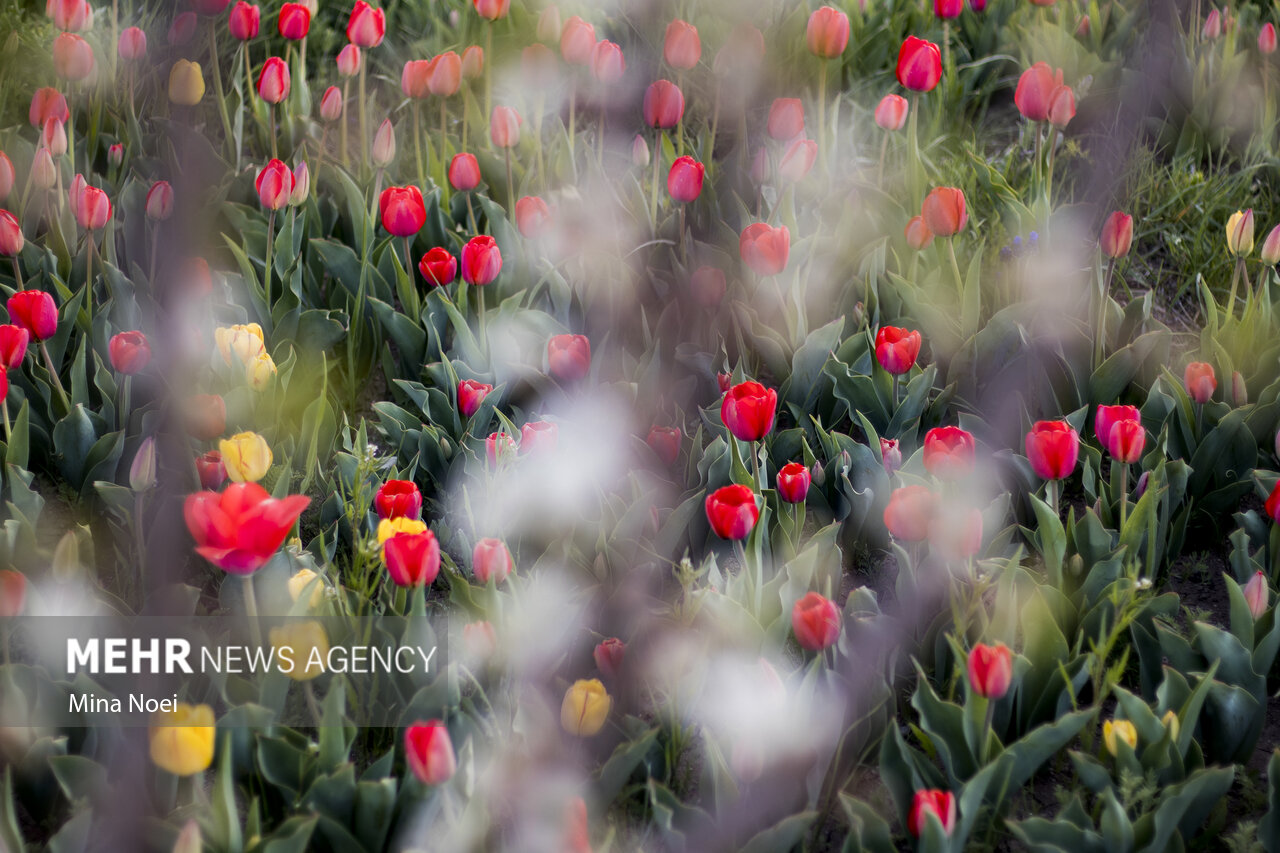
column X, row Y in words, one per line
column 891, row 112
column 533, row 217
column 908, row 513
column 331, row 104
column 607, row 62
column 947, row 9
column 11, row 237
column 538, row 437
column 470, row 395
column 349, row 61
column 72, row 57
column 764, row 249
column 793, row 482
column 940, row 804
column 491, row 559
column 1272, row 505
column 13, row 346
column 245, row 20
column 827, row 33
column 708, row 285
column 990, row 670
column 665, row 443
column 274, row 185
column 663, row 104
column 211, row 470
column 681, row 47
column 367, row 25
column 403, row 211
column 398, row 499
column 13, row 593
column 732, row 511
column 748, row 410
column 132, row 44
column 569, row 357
column 948, row 452
column 438, row 266
column 159, row 204
column 1117, row 235
column 34, row 311
column 48, row 103
column 6, row 175
column 815, row 621
column 1062, row 106
column 798, row 160
column 1053, row 448
column 115, row 154
column 444, row 74
column 608, row 656
column 897, row 349
column 684, row 181
column 464, row 172
column 129, row 352
column 498, row 448
column 429, row 752
column 1108, row 416
column 90, row 205
column 1267, row 38
column 724, row 381
column 1035, row 90
column 183, row 29
column 577, row 40
column 273, row 82
column 786, row 119
column 492, row 9
column 1127, row 440
column 69, row 15
column 1200, row 381
column 413, row 559
column 890, row 455
column 481, row 260
column 295, row 21
column 413, row 79
column 917, row 233
column 240, row 529
column 504, row 127
column 919, row 64
column 944, row 211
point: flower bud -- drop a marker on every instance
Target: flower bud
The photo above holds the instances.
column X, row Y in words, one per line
column 182, row 740
column 585, row 708
column 608, row 656
column 348, row 61
column 54, row 136
column 142, row 473
column 1116, row 731
column 1239, row 392
column 1256, row 595
column 1239, row 228
column 384, row 144
column 331, row 104
column 159, row 206
column 44, row 174
column 186, row 83
column 1271, row 247
column 640, row 152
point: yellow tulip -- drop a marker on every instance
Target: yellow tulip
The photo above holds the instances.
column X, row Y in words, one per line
column 245, row 341
column 298, row 583
column 1122, row 729
column 186, row 83
column 182, row 739
column 247, row 457
column 586, row 706
column 308, row 646
column 389, row 527
column 259, row 372
column 1170, row 720
column 1240, row 233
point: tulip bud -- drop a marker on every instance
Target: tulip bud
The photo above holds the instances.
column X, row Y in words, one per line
column 367, row 26
column 159, row 206
column 7, row 176
column 684, row 181
column 464, row 172
column 331, row 104
column 259, row 371
column 1199, row 381
column 479, row 641
column 1141, row 488
column 210, row 470
column 533, row 217
column 1240, row 231
column 274, row 82
column 663, row 104
column 11, row 237
column 890, row 455
column 990, row 670
column 481, row 260
column 827, row 33
column 891, row 112
column 1115, row 732
column 504, row 127
column 640, row 152
column 585, row 708
column 798, row 160
column 608, row 656
column 182, row 740
column 54, row 136
column 1267, row 38
column 473, row 62
column 247, row 457
column 1256, row 595
column 815, row 621
column 681, row 46
column 44, row 174
column 384, row 144
column 72, row 57
column 607, row 62
column 1239, row 393
column 491, row 560
column 244, row 21
column 1117, row 235
column 1082, row 28
column 189, row 840
column 186, row 83
column 429, row 752
column 1212, row 25
column 944, row 211
column 142, row 473
column 1171, row 723
column 301, row 185
column 919, row 64
column 938, row 804
column 295, row 21
column 348, row 61
column 569, row 357
column 793, row 482
column 577, row 38
column 115, row 154
column 786, row 119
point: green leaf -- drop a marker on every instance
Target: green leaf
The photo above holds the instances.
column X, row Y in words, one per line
column 783, row 836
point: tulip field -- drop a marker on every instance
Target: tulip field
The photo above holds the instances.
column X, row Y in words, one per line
column 534, row 425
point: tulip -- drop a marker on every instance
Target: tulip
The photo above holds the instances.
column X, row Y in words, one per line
column 1256, row 595
column 585, row 708
column 491, row 559
column 186, row 83
column 299, row 582
column 307, row 647
column 13, row 338
column 786, row 119
column 639, row 151
column 403, row 211
column 741, row 54
column 793, row 482
column 681, row 47
column 199, row 277
column 944, row 211
column 607, row 62
column 159, row 204
column 816, row 622
column 247, row 457
column 48, row 103
column 948, row 452
column 919, row 65
column 1117, row 235
column 665, row 443
column 43, row 173
column 244, row 21
column 1062, row 106
column 260, row 371
column 492, row 10
column 129, row 352
column 798, row 160
column 115, row 154
column 1052, row 449
column 708, row 285
column 69, row 15
column 142, row 473
column 181, row 741
column 990, row 670
column 569, row 357
column 389, row 527
column 1212, row 25
column 273, row 82
column 349, row 61
column 72, row 57
column 1270, row 247
column 947, row 9
column 464, row 172
column 413, row 79
column 1239, row 390
column 366, row 26
column 295, row 21
column 384, row 144
column 470, row 395
column 577, row 39
column 827, row 33
column 1126, row 441
column 764, row 249
column 473, row 62
column 748, row 410
column 438, row 266
column 1108, row 416
column 444, row 74
column 91, row 207
column 1035, row 90
column 955, row 533
column 13, row 593
column 413, row 559
column 1240, row 233
column 481, row 260
column 331, row 104
column 663, row 104
column 1272, row 506
column 6, row 176
column 211, row 471
column 274, row 185
column 608, row 656
column 917, row 233
column 533, row 217
column 1267, row 38
column 35, row 311
column 538, row 436
column 890, row 455
column 498, row 448
column 1115, row 731
column 938, row 804
column 891, row 112
column 244, row 341
column 725, row 382
column 398, row 499
column 53, row 136
column 240, row 529
column 540, row 66
column 479, row 641
column 732, row 512
column 1198, row 379
column 684, row 181
column 132, row 44
column 897, row 349
column 205, row 416
column 908, row 513
column 11, row 237
column 429, row 752
column 504, row 127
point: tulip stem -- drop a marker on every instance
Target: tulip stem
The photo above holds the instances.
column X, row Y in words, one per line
column 266, row 269
column 987, row 720
column 126, row 392
column 1124, row 494
column 1051, row 489
column 444, row 146
column 8, row 429
column 346, row 100
column 17, row 272
column 1100, row 334
column 53, row 374
column 488, row 74
column 511, row 184
column 275, row 149
column 822, row 113
column 884, row 148
column 364, row 117
column 653, row 189
column 417, row 143
column 894, row 394
column 251, row 611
